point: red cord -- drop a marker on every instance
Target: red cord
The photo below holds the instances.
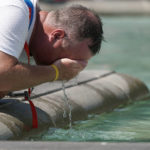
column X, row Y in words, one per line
column 27, row 97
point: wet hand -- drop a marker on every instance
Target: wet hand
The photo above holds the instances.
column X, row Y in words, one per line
column 69, row 68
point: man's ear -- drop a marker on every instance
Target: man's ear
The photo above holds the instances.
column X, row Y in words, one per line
column 56, row 35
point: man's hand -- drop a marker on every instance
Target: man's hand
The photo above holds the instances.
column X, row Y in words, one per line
column 69, row 68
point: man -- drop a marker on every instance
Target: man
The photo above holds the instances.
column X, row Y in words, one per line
column 66, row 38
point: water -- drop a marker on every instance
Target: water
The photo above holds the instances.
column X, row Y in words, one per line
column 126, row 50
column 66, row 100
column 131, row 123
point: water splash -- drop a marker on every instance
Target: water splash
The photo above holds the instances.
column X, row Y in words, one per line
column 66, row 100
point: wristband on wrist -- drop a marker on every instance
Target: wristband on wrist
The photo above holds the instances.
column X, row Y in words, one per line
column 56, row 70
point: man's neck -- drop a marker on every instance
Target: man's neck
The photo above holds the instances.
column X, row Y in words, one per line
column 38, row 29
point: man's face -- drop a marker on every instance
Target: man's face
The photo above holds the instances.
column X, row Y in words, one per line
column 75, row 51
column 78, row 51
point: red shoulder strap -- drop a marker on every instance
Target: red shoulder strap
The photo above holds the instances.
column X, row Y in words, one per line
column 26, row 48
column 27, row 97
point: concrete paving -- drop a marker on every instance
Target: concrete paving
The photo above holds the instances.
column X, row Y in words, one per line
column 72, row 146
column 103, row 7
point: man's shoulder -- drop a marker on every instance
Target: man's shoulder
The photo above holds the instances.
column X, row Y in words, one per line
column 17, row 3
column 14, row 32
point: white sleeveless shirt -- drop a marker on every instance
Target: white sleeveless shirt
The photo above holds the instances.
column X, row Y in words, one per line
column 14, row 23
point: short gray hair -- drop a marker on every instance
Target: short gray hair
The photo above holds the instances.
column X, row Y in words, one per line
column 79, row 23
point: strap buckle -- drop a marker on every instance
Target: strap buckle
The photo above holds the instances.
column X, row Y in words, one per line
column 26, row 95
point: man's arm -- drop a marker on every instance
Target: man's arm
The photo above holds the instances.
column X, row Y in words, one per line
column 18, row 76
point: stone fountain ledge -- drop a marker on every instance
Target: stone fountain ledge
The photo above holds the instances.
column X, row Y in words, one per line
column 96, row 92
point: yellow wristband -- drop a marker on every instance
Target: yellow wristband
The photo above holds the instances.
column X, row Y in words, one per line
column 57, row 72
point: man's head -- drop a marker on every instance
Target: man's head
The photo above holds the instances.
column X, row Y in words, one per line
column 73, row 32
